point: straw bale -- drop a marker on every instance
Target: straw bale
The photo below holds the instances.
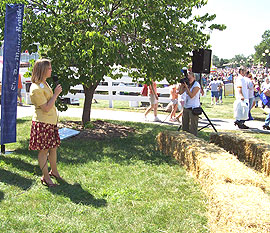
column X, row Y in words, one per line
column 249, row 150
column 229, row 171
column 208, row 162
column 238, row 208
column 266, row 163
column 236, row 194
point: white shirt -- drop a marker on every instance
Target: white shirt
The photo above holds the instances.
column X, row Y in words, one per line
column 265, row 86
column 214, row 85
column 250, row 86
column 195, row 101
column 241, row 82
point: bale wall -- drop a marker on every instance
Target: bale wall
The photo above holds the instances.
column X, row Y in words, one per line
column 238, row 201
column 249, row 150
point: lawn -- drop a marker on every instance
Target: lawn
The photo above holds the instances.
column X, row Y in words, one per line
column 113, row 185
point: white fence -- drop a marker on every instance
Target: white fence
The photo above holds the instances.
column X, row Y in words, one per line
column 123, row 89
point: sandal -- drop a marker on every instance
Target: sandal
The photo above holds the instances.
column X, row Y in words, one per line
column 44, row 182
column 56, row 177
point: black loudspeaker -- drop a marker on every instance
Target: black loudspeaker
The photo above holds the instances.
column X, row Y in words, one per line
column 201, row 61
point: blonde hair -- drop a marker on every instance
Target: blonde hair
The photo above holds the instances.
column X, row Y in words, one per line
column 39, row 71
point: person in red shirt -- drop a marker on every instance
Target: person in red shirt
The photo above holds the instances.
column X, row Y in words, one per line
column 19, row 92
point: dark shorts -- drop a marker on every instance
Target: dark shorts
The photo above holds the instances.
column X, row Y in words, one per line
column 43, row 136
column 214, row 94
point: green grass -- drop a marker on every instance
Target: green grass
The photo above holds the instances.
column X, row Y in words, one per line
column 116, row 185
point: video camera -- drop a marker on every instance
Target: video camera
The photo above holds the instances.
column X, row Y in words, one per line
column 185, row 79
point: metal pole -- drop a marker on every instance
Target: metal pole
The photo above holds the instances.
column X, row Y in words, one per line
column 3, row 149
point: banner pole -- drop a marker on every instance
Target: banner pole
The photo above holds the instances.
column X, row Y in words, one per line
column 3, row 149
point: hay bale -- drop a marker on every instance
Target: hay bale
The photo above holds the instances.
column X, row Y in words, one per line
column 236, row 194
column 207, row 161
column 238, row 208
column 266, row 163
column 248, row 150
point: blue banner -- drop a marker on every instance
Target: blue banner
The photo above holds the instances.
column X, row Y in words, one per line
column 11, row 65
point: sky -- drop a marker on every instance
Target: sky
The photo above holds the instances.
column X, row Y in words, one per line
column 246, row 21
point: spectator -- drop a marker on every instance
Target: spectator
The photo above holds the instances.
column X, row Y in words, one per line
column 153, row 99
column 250, row 85
column 267, row 119
column 214, row 90
column 256, row 91
column 265, row 84
column 220, row 89
column 182, row 100
column 174, row 102
column 241, row 93
column 19, row 92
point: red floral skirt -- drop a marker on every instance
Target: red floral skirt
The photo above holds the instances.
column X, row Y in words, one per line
column 43, row 136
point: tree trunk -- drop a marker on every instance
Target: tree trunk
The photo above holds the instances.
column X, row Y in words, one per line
column 89, row 93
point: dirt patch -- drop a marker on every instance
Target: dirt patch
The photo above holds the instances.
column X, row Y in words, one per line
column 98, row 129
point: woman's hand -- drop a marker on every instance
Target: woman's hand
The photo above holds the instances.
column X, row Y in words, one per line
column 58, row 90
column 181, row 89
column 47, row 107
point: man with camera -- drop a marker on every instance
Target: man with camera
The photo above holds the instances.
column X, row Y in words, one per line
column 191, row 87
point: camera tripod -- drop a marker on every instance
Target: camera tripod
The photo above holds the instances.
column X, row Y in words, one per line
column 209, row 123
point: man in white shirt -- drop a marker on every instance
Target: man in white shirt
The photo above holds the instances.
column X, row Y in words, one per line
column 251, row 97
column 241, row 93
column 214, row 90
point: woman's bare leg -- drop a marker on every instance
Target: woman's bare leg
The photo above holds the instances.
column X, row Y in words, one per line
column 53, row 161
column 42, row 161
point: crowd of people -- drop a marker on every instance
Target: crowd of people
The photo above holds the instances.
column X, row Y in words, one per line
column 249, row 84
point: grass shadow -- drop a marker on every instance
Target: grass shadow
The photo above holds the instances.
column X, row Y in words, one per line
column 15, row 179
column 1, row 196
column 77, row 194
column 22, row 165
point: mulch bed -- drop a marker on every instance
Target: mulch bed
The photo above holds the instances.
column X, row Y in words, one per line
column 98, row 129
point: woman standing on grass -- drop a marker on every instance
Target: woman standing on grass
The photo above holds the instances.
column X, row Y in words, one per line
column 44, row 135
column 192, row 92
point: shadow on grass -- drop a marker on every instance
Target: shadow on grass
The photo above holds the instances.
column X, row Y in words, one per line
column 1, row 196
column 77, row 194
column 22, row 165
column 15, row 179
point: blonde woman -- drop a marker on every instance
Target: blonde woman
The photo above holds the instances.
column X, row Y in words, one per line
column 44, row 135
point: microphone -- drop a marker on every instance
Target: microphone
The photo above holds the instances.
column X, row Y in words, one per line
column 55, row 79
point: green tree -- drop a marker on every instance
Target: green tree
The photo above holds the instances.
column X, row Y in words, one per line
column 215, row 60
column 260, row 48
column 87, row 39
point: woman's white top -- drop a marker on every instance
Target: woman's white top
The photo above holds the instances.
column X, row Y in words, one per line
column 195, row 101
